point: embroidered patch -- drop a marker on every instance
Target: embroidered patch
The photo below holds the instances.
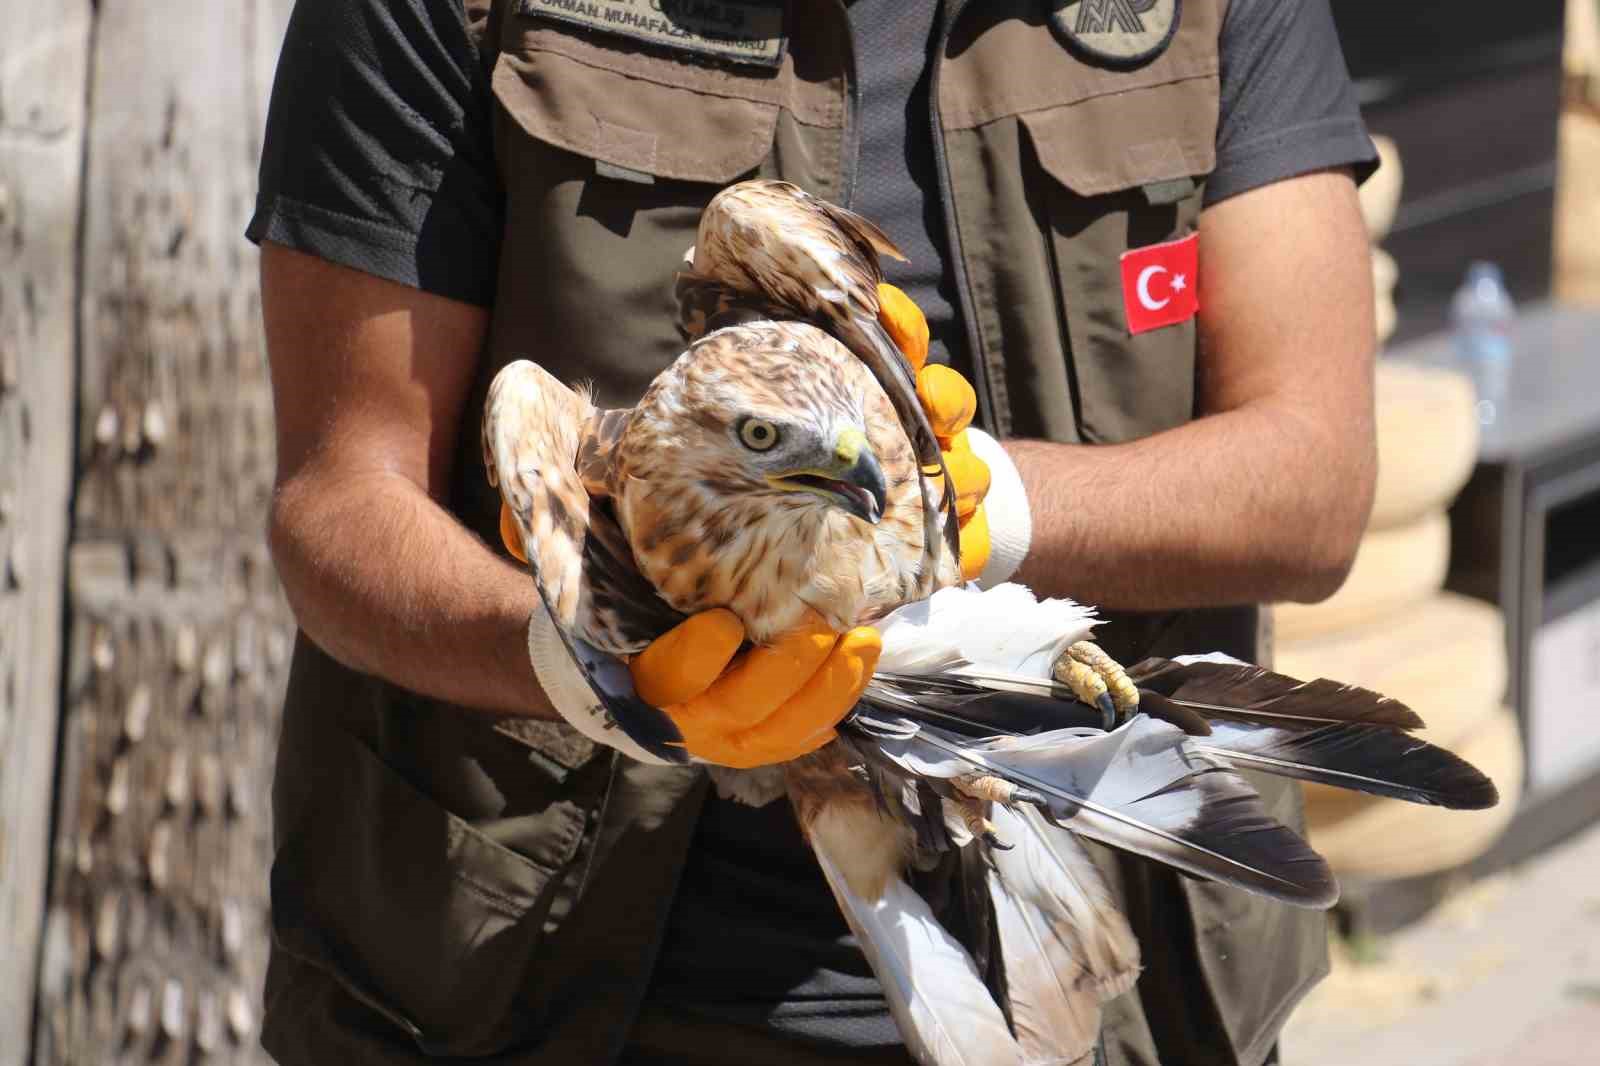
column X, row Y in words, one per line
column 1120, row 33
column 741, row 31
column 1160, row 284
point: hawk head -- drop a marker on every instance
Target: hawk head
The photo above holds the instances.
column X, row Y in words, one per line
column 766, row 414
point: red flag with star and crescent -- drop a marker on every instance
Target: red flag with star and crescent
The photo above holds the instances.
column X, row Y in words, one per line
column 1159, row 284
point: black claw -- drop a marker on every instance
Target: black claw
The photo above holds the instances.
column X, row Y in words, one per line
column 995, row 842
column 1027, row 795
column 1108, row 711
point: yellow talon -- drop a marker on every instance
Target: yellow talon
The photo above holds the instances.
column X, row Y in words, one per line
column 1081, row 678
column 985, row 787
column 1123, row 690
column 1098, row 680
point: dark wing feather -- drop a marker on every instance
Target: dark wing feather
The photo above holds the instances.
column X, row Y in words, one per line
column 971, row 710
column 625, row 613
column 1384, row 762
column 978, row 704
column 1368, row 753
column 644, row 724
column 1320, row 731
column 1251, row 694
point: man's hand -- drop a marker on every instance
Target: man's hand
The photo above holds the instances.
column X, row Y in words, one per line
column 950, row 402
column 769, row 705
column 773, row 703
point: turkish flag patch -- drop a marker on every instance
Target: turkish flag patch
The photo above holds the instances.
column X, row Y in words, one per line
column 1159, row 284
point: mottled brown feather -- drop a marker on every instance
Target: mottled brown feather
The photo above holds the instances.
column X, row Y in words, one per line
column 774, row 248
column 534, row 430
column 709, row 531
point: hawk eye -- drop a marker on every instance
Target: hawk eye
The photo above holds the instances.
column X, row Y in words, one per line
column 758, row 434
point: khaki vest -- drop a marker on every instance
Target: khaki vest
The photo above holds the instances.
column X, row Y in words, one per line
column 498, row 888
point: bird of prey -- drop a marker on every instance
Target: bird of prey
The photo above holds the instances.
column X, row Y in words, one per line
column 767, row 250
column 778, row 465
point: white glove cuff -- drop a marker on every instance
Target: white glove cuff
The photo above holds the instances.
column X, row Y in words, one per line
column 569, row 691
column 1010, row 519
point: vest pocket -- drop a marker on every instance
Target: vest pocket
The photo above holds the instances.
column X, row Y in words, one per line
column 415, row 912
column 1105, row 194
column 606, row 170
column 632, row 126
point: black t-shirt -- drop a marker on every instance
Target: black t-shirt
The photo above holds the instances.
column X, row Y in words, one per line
column 378, row 156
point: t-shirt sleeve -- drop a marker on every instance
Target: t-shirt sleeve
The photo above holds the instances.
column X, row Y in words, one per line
column 378, row 150
column 1288, row 105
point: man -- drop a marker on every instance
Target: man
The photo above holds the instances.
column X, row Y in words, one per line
column 444, row 190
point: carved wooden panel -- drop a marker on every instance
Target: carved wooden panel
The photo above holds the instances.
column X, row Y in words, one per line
column 178, row 637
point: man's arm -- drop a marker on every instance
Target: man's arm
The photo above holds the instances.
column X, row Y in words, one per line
column 1266, row 495
column 369, row 378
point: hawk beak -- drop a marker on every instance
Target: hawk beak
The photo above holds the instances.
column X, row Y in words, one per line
column 851, row 478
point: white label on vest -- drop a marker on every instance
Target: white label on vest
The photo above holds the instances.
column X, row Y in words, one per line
column 744, row 32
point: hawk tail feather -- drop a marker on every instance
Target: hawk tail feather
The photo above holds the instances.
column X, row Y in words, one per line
column 944, row 1010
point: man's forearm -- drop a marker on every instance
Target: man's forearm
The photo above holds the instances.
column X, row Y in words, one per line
column 1265, row 498
column 1252, row 505
column 386, row 581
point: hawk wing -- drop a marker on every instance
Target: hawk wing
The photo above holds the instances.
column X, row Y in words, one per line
column 535, row 432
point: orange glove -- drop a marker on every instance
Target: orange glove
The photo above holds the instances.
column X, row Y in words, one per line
column 950, row 402
column 771, row 704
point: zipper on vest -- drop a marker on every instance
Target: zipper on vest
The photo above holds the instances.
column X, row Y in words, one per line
column 958, row 262
column 850, row 155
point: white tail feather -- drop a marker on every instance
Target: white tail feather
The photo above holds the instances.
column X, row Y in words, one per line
column 1067, row 949
column 1057, row 1025
column 943, row 1008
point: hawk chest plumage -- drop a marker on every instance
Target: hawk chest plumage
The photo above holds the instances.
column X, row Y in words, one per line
column 708, row 531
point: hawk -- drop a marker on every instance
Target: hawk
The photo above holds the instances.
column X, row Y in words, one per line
column 778, row 466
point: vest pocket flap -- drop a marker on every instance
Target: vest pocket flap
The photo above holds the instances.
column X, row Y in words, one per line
column 414, row 911
column 631, row 123
column 1086, row 146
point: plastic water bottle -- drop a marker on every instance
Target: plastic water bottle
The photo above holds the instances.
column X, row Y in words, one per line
column 1480, row 317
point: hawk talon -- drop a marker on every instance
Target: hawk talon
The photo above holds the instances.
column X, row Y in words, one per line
column 1028, row 796
column 1108, row 711
column 977, row 791
column 1100, row 681
column 991, row 789
column 986, row 788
